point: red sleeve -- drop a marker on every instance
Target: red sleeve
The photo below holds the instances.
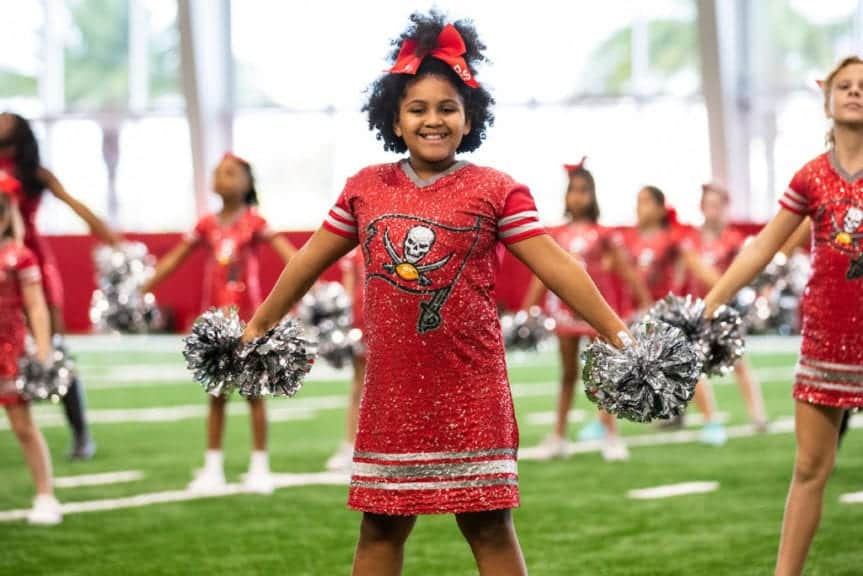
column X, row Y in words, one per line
column 199, row 231
column 262, row 229
column 519, row 219
column 27, row 267
column 340, row 219
column 797, row 197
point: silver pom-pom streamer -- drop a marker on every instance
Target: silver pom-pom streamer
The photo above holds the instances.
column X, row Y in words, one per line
column 326, row 309
column 654, row 378
column 37, row 381
column 212, row 350
column 526, row 329
column 718, row 340
column 276, row 364
column 117, row 304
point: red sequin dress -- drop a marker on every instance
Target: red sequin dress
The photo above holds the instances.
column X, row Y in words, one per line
column 656, row 259
column 715, row 251
column 590, row 244
column 437, row 429
column 231, row 276
column 830, row 369
column 29, row 207
column 18, row 266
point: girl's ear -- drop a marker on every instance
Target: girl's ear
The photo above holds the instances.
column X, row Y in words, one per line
column 397, row 128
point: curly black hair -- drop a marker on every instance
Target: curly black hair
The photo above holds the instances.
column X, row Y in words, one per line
column 387, row 91
column 26, row 155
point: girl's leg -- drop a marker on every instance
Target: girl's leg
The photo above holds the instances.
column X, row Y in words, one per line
column 569, row 374
column 493, row 541
column 713, row 431
column 817, row 431
column 74, row 404
column 212, row 476
column 33, row 445
column 216, row 423
column 258, row 478
column 751, row 390
column 258, row 413
column 380, row 549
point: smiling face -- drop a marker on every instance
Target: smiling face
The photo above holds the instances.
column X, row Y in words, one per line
column 432, row 122
column 845, row 102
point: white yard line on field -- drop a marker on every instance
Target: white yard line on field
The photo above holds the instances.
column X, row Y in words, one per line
column 98, row 479
column 670, row 490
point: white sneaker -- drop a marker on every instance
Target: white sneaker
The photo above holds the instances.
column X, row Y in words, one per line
column 614, row 450
column 207, row 481
column 259, row 482
column 552, row 447
column 45, row 512
column 343, row 458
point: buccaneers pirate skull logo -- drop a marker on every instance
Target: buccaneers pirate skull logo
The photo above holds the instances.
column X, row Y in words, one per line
column 419, row 257
column 839, row 225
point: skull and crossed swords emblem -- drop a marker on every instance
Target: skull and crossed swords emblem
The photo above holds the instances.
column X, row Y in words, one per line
column 417, row 244
column 847, row 234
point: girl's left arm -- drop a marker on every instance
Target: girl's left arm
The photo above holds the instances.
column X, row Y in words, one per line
column 282, row 246
column 38, row 318
column 97, row 226
column 564, row 276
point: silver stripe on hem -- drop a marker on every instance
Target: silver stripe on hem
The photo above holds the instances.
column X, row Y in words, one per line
column 829, row 386
column 520, row 229
column 411, row 471
column 450, row 485
column 421, row 456
column 808, row 371
column 831, row 365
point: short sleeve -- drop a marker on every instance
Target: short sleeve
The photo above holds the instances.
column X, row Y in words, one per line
column 340, row 220
column 198, row 232
column 261, row 227
column 27, row 267
column 797, row 196
column 519, row 219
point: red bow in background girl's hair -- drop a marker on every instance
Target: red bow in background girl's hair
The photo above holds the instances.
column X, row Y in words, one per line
column 570, row 168
column 9, row 185
column 671, row 216
column 232, row 156
column 449, row 48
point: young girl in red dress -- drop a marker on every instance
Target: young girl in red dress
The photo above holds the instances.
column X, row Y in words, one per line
column 599, row 250
column 706, row 253
column 655, row 245
column 437, row 431
column 21, row 303
column 829, row 374
column 354, row 280
column 19, row 155
column 231, row 279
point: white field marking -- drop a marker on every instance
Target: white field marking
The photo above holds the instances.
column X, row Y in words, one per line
column 780, row 426
column 669, row 490
column 97, row 479
column 546, row 418
column 852, row 498
column 140, row 500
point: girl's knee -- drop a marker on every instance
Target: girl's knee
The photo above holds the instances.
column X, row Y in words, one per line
column 377, row 528
column 813, row 468
column 492, row 528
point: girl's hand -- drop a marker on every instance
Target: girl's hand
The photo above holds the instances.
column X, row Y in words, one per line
column 250, row 333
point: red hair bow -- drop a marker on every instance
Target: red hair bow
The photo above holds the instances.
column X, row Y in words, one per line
column 449, row 48
column 570, row 168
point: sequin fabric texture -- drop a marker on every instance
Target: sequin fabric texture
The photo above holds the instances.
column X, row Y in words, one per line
column 717, row 251
column 231, row 276
column 18, row 266
column 437, row 430
column 590, row 244
column 830, row 368
column 656, row 259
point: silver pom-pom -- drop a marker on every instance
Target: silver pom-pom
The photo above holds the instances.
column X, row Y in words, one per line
column 526, row 329
column 211, row 351
column 326, row 309
column 37, row 381
column 718, row 340
column 276, row 364
column 117, row 304
column 653, row 378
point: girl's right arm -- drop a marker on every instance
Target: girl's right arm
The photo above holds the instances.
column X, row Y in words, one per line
column 169, row 262
column 754, row 257
column 322, row 250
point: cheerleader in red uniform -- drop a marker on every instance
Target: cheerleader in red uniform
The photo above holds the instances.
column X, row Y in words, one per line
column 655, row 244
column 829, row 374
column 19, row 154
column 22, row 302
column 599, row 251
column 231, row 279
column 707, row 253
column 437, row 431
column 354, row 280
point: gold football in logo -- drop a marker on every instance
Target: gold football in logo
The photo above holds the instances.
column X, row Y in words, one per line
column 407, row 271
column 843, row 238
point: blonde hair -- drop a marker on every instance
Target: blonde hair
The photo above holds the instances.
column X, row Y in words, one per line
column 827, row 85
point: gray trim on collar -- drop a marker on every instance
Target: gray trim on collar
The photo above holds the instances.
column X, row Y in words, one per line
column 411, row 173
column 850, row 178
